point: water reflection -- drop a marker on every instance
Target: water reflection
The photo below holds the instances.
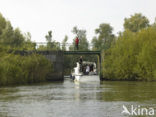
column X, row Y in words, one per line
column 128, row 91
column 67, row 99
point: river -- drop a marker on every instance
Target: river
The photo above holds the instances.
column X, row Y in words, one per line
column 67, row 99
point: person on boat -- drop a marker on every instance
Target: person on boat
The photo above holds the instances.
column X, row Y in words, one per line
column 77, row 43
column 84, row 69
column 87, row 69
column 81, row 61
column 91, row 67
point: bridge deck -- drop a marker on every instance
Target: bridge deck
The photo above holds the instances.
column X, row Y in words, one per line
column 82, row 52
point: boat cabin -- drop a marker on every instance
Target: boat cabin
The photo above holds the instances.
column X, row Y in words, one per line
column 88, row 68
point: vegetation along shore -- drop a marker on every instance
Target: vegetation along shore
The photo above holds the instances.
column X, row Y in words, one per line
column 130, row 55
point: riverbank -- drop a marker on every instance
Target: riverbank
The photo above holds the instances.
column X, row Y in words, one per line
column 17, row 69
column 131, row 57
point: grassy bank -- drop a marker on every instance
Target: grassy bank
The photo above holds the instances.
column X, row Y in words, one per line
column 132, row 57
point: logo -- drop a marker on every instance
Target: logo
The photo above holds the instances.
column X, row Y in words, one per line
column 137, row 110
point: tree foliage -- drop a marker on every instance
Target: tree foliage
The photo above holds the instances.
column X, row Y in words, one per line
column 51, row 44
column 64, row 43
column 136, row 22
column 83, row 42
column 17, row 69
column 13, row 38
column 132, row 57
column 2, row 23
column 104, row 37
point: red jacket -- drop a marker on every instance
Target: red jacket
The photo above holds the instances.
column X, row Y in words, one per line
column 77, row 40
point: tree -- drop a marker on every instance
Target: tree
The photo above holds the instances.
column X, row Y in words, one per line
column 7, row 34
column 64, row 42
column 12, row 37
column 2, row 23
column 132, row 57
column 52, row 45
column 81, row 34
column 154, row 24
column 49, row 36
column 29, row 45
column 136, row 22
column 104, row 38
column 97, row 44
column 49, row 39
column 18, row 38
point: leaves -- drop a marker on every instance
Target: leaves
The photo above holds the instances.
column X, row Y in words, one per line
column 83, row 42
column 16, row 69
column 136, row 22
column 132, row 57
column 105, row 37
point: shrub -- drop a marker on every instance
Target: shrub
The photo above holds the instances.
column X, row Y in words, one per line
column 16, row 69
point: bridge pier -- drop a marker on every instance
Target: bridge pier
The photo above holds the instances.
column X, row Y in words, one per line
column 57, row 59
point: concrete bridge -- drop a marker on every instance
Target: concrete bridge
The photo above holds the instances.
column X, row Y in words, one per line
column 57, row 58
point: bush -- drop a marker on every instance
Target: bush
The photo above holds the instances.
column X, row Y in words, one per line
column 16, row 69
column 132, row 57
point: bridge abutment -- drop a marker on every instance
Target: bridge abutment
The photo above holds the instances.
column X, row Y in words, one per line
column 57, row 59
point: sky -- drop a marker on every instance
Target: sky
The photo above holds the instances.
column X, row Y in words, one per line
column 60, row 16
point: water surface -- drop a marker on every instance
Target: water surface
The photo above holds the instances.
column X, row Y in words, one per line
column 67, row 99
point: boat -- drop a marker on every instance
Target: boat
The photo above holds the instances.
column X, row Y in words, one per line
column 85, row 72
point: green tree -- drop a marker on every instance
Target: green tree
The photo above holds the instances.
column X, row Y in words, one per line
column 132, row 57
column 18, row 38
column 104, row 37
column 49, row 39
column 7, row 34
column 81, row 34
column 12, row 38
column 49, row 36
column 136, row 22
column 51, row 44
column 28, row 44
column 2, row 23
column 154, row 24
column 17, row 69
column 64, row 42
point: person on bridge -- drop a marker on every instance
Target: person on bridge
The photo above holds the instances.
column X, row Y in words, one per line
column 77, row 43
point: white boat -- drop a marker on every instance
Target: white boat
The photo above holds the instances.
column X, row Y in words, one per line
column 89, row 75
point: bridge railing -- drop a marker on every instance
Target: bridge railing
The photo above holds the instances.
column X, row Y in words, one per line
column 61, row 45
column 37, row 45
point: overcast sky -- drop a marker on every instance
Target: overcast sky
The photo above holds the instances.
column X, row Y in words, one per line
column 60, row 16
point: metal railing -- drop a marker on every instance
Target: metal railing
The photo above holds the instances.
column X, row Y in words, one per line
column 44, row 44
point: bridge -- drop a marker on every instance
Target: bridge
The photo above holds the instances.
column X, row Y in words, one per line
column 82, row 52
column 57, row 58
column 60, row 45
